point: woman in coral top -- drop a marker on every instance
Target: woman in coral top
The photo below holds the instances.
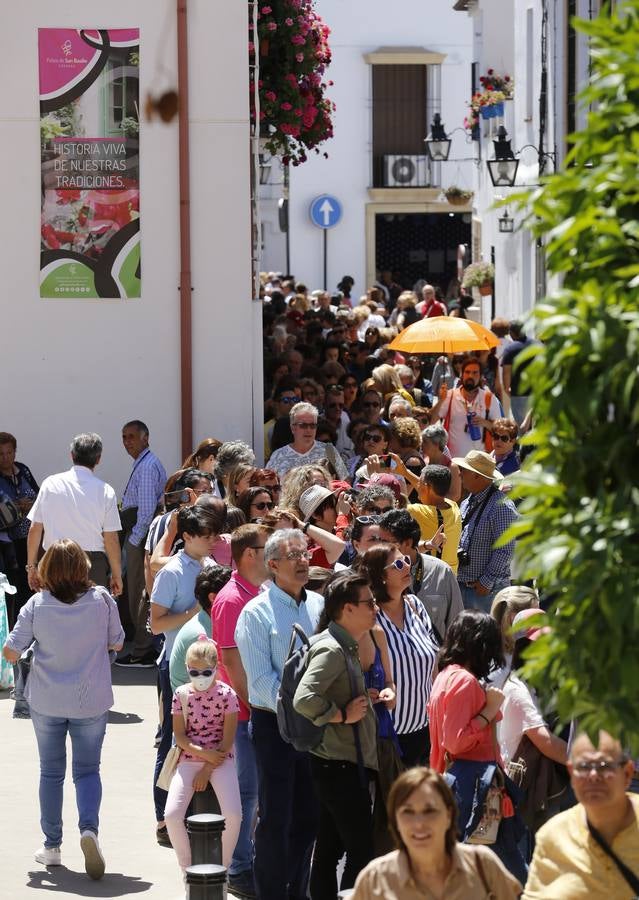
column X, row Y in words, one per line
column 460, row 710
column 462, row 713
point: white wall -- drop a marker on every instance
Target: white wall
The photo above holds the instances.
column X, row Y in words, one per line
column 73, row 365
column 358, row 27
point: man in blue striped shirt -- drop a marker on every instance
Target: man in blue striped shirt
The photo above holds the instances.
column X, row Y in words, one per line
column 486, row 514
column 139, row 502
column 287, row 806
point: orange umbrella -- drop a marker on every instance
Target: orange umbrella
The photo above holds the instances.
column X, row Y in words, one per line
column 444, row 334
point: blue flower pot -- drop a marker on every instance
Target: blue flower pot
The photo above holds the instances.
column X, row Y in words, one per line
column 498, row 109
column 486, row 112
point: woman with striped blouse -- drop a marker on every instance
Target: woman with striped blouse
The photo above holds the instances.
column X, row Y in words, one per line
column 412, row 647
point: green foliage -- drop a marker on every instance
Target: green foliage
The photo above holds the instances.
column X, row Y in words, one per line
column 578, row 535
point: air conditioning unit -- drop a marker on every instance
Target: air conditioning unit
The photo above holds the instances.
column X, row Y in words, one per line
column 406, row 171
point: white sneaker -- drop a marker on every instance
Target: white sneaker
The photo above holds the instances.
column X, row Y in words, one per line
column 49, row 856
column 93, row 859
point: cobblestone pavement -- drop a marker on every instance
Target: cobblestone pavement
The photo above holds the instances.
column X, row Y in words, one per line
column 135, row 865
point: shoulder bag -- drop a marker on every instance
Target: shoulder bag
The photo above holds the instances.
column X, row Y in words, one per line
column 631, row 879
column 490, row 894
column 173, row 756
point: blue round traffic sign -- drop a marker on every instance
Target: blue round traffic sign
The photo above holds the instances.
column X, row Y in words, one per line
column 325, row 211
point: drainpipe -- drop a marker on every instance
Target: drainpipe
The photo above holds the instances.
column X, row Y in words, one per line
column 186, row 343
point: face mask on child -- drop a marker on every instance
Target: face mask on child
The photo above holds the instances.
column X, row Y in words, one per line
column 202, row 679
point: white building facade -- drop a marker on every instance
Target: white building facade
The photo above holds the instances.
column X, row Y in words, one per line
column 90, row 365
column 534, row 42
column 394, row 67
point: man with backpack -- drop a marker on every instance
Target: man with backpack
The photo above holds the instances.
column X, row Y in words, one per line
column 332, row 695
column 467, row 411
column 286, row 798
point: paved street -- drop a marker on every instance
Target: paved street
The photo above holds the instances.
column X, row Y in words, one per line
column 136, row 865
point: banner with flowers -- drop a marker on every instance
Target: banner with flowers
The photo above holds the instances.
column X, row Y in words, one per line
column 89, row 140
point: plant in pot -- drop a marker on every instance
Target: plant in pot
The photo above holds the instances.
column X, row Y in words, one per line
column 457, row 196
column 480, row 275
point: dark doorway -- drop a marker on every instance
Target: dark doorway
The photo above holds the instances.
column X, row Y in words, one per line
column 418, row 246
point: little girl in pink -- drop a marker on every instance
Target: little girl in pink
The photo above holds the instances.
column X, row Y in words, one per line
column 206, row 740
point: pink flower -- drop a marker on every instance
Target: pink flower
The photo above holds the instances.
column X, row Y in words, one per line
column 286, row 106
column 298, row 39
column 288, row 21
column 272, row 26
column 266, row 10
column 251, row 47
column 297, row 112
column 271, row 95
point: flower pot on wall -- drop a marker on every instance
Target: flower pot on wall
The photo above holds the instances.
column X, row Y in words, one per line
column 498, row 109
column 486, row 289
column 486, row 112
column 456, row 200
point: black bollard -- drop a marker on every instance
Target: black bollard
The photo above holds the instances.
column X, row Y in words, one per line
column 205, row 834
column 205, row 802
column 206, row 882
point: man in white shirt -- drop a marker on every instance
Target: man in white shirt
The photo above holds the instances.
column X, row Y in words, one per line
column 78, row 506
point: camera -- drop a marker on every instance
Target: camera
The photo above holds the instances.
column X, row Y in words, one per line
column 463, row 557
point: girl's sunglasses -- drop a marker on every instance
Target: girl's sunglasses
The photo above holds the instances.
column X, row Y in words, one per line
column 264, row 504
column 399, row 564
column 196, row 673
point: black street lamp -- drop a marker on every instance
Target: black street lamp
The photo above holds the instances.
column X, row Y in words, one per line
column 506, row 223
column 437, row 143
column 503, row 168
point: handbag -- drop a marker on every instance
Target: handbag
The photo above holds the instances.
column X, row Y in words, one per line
column 491, row 814
column 541, row 780
column 173, row 756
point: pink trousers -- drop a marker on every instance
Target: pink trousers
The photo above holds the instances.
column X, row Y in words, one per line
column 224, row 783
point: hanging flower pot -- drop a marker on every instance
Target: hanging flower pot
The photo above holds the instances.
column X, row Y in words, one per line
column 498, row 109
column 486, row 112
column 486, row 289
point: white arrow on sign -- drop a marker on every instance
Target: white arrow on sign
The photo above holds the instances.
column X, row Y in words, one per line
column 326, row 208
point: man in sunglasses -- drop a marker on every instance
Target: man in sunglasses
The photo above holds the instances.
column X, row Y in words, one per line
column 337, row 418
column 287, row 822
column 371, row 407
column 433, row 581
column 592, row 849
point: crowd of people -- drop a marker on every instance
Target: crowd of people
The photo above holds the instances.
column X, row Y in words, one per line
column 368, row 545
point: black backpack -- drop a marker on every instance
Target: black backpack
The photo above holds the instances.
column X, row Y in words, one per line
column 295, row 728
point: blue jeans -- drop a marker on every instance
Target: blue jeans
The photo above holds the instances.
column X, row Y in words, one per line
column 87, row 736
column 166, row 736
column 473, row 600
column 247, row 777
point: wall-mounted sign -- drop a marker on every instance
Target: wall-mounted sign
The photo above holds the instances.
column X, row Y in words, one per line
column 89, row 139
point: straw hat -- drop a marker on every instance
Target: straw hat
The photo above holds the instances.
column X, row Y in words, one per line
column 480, row 463
column 313, row 497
